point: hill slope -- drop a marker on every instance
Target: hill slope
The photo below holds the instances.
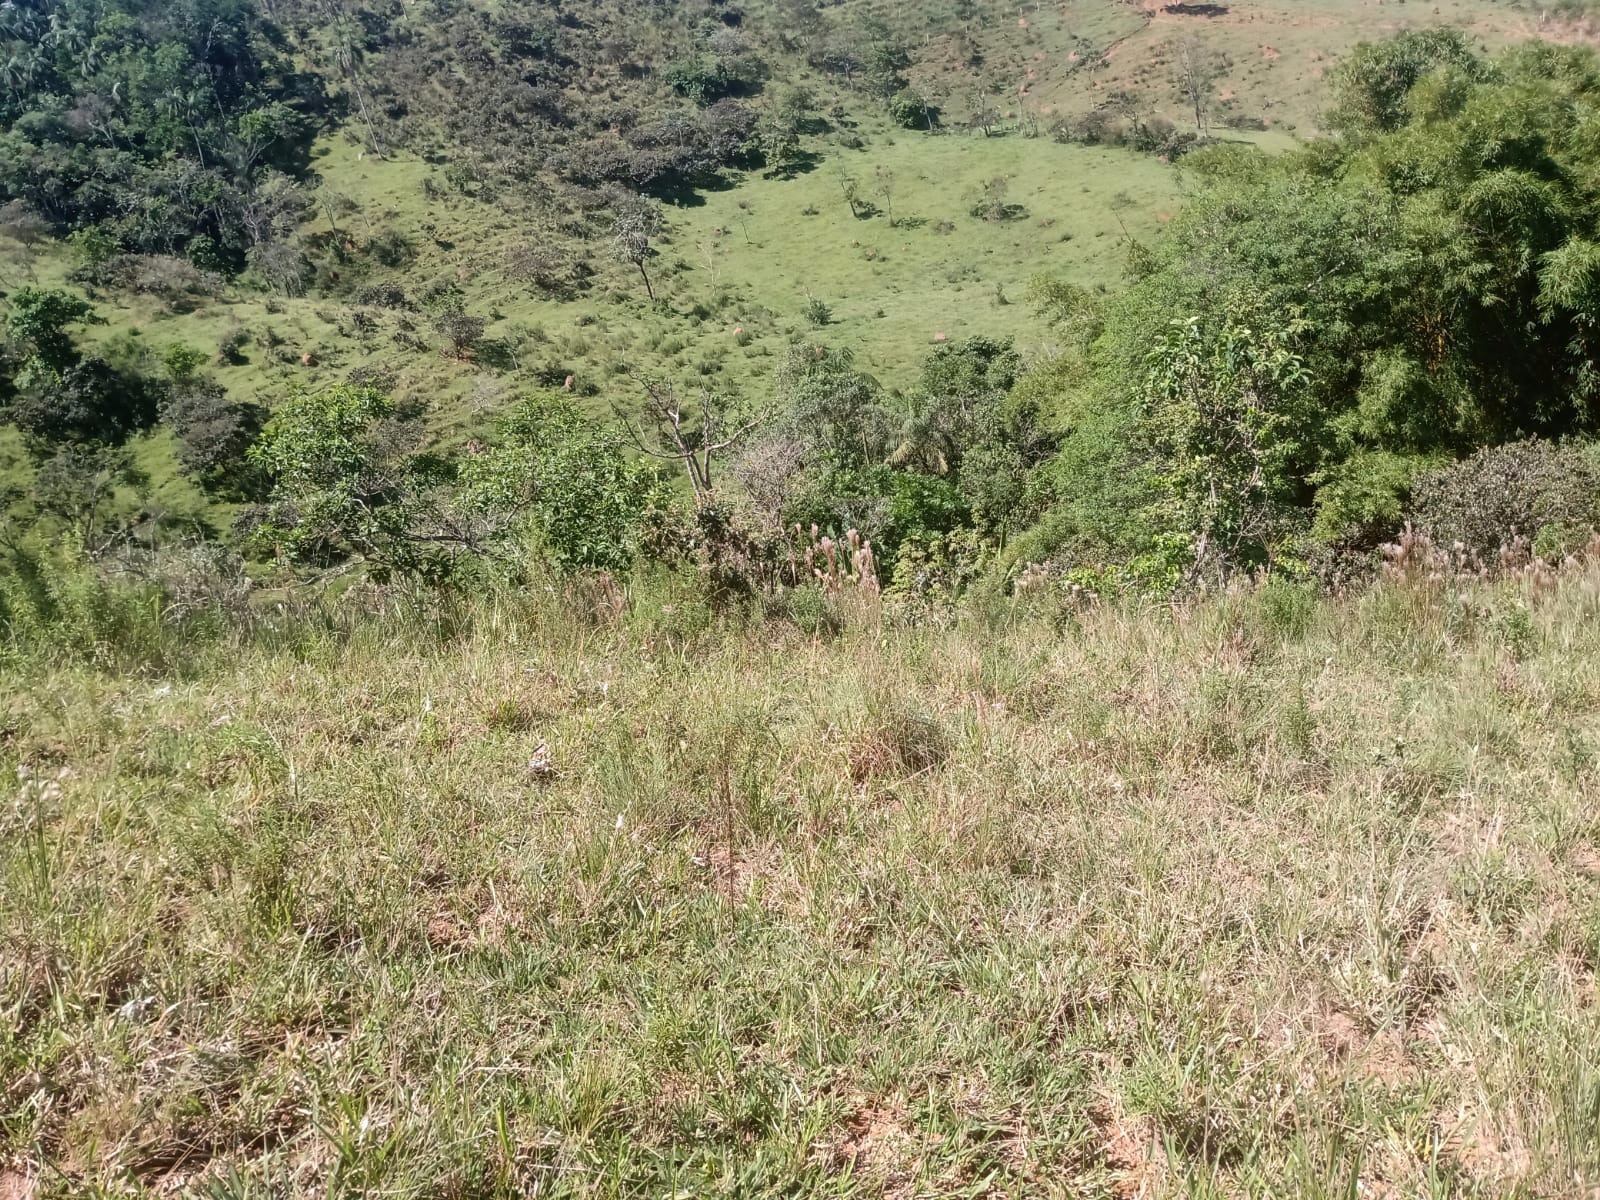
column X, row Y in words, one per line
column 1264, row 896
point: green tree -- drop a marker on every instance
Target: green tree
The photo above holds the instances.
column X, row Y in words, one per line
column 1373, row 87
column 39, row 322
column 833, row 411
column 349, row 487
column 1439, row 255
column 911, row 109
column 463, row 331
column 780, row 128
column 959, row 403
column 77, row 486
column 214, row 433
column 554, row 471
column 1223, row 405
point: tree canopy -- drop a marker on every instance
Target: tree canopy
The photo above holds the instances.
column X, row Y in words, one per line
column 148, row 119
column 1422, row 285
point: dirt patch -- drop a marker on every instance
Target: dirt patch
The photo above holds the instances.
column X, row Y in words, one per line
column 881, row 1144
column 447, row 933
column 1562, row 32
column 1128, row 1145
column 755, row 872
column 17, row 1184
column 1585, row 861
column 1491, row 1154
column 1380, row 1056
column 1340, row 1035
column 477, row 918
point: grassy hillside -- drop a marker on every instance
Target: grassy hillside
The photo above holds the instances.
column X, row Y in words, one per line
column 749, row 255
column 745, row 257
column 1271, row 59
column 1111, row 812
column 430, row 202
column 737, row 270
column 1261, row 896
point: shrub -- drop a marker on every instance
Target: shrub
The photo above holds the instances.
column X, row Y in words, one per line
column 895, row 740
column 705, row 81
column 442, row 295
column 88, row 401
column 549, row 272
column 182, row 362
column 817, row 313
column 174, row 280
column 282, row 265
column 213, row 431
column 230, row 346
column 383, row 295
column 1546, row 492
column 554, row 468
column 463, row 331
column 910, row 110
column 391, row 248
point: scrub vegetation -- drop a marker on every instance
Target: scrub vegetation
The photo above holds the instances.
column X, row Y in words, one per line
column 858, row 600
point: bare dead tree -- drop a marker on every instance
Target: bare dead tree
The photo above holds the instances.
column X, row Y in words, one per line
column 1197, row 70
column 886, row 182
column 982, row 113
column 637, row 223
column 669, row 431
column 850, row 187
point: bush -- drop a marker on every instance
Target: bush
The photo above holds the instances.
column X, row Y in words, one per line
column 442, row 295
column 213, row 431
column 910, row 110
column 182, row 362
column 463, row 331
column 89, row 401
column 174, row 280
column 817, row 313
column 230, row 346
column 549, row 272
column 1546, row 492
column 383, row 295
column 391, row 248
column 555, row 469
column 705, row 81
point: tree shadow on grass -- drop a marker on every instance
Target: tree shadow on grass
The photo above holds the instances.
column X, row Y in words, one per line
column 803, row 164
column 1000, row 213
column 497, row 354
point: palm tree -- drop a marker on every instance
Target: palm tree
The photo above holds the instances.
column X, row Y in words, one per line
column 924, row 437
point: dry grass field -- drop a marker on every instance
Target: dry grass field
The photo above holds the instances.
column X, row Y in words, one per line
column 1261, row 895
